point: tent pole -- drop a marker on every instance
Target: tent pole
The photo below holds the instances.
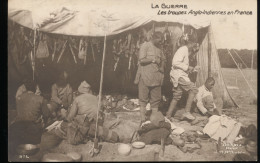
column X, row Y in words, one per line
column 153, row 28
column 100, row 88
column 33, row 56
column 209, row 51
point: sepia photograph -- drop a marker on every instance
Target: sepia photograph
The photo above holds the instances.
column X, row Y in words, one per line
column 132, row 80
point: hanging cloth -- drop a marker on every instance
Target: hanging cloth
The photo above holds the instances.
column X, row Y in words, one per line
column 42, row 49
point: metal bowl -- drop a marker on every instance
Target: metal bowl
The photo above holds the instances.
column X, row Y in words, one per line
column 138, row 144
column 27, row 149
column 75, row 156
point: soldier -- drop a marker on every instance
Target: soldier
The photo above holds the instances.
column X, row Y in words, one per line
column 150, row 73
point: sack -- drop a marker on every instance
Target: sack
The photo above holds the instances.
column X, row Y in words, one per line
column 76, row 132
column 82, row 49
column 42, row 50
column 49, row 141
column 25, row 132
column 138, row 75
column 243, row 157
column 251, row 132
column 103, row 133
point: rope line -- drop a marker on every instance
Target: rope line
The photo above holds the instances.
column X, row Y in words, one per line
column 242, row 74
column 240, row 58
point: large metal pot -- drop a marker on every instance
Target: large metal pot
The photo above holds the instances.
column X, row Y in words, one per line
column 251, row 147
column 56, row 157
column 27, row 149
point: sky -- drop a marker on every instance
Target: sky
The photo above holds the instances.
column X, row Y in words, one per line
column 230, row 31
column 236, row 31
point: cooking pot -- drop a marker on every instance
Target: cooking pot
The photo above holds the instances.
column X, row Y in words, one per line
column 251, row 147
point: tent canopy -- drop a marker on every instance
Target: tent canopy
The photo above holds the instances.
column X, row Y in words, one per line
column 74, row 18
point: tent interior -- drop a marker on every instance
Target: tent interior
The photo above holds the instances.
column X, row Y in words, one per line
column 120, row 61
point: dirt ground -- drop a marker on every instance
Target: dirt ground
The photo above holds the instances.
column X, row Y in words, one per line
column 246, row 114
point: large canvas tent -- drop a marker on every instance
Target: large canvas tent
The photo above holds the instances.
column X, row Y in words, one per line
column 73, row 18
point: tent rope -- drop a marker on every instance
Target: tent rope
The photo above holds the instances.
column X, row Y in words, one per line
column 240, row 58
column 252, row 63
column 242, row 74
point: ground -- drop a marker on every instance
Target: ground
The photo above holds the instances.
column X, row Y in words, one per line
column 246, row 114
column 244, row 97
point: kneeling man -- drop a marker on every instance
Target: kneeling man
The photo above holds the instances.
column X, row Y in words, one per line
column 204, row 98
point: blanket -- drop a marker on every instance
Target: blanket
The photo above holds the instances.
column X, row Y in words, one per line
column 222, row 126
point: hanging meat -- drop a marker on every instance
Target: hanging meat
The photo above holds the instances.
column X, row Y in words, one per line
column 118, row 52
column 72, row 46
column 62, row 51
column 25, row 45
column 82, row 49
column 167, row 45
column 93, row 52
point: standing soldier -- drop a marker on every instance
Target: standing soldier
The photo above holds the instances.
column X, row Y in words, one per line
column 150, row 74
column 180, row 80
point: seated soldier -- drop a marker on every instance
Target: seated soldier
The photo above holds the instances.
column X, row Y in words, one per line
column 32, row 112
column 31, row 107
column 83, row 115
column 85, row 104
column 22, row 89
column 204, row 98
column 61, row 94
